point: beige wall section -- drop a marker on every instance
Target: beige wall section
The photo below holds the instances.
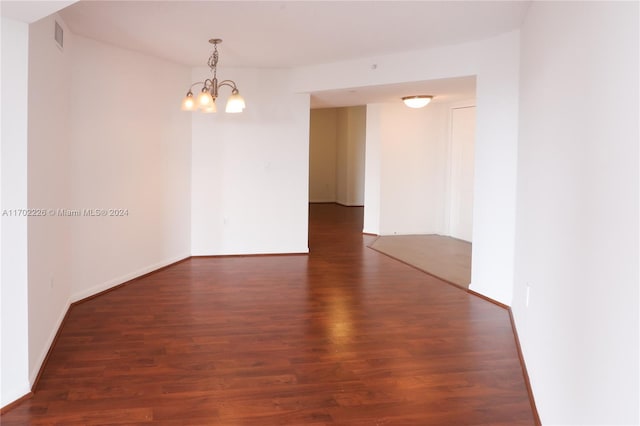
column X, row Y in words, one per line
column 336, row 160
column 350, row 161
column 322, row 155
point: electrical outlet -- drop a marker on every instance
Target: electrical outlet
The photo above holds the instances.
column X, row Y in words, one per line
column 526, row 302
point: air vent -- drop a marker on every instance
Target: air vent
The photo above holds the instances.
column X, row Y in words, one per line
column 59, row 35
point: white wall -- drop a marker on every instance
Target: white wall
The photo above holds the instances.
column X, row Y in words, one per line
column 494, row 192
column 250, row 171
column 350, row 155
column 373, row 165
column 458, row 216
column 14, row 321
column 495, row 63
column 103, row 139
column 131, row 150
column 413, row 169
column 322, row 155
column 49, row 138
column 577, row 221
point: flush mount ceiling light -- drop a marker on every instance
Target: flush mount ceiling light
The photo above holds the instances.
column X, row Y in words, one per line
column 417, row 101
column 205, row 101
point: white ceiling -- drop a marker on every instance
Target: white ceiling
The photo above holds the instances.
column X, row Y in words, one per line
column 288, row 33
column 283, row 34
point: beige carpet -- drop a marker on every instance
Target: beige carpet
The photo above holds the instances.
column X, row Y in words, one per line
column 444, row 257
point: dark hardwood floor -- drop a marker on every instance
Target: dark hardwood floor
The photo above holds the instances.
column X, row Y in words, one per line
column 343, row 336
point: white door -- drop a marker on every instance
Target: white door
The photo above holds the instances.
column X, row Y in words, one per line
column 463, row 131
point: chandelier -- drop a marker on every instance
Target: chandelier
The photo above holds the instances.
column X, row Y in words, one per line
column 205, row 101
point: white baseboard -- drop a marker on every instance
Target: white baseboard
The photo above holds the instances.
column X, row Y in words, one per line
column 14, row 395
column 83, row 294
column 322, row 200
column 347, row 204
column 33, row 374
column 205, row 253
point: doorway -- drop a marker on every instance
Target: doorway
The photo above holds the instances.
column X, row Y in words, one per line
column 336, row 155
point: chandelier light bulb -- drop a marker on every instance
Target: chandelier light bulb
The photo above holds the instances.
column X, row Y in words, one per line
column 189, row 102
column 235, row 103
column 204, row 99
column 210, row 108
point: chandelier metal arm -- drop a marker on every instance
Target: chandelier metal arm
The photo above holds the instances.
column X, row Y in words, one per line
column 229, row 83
column 195, row 84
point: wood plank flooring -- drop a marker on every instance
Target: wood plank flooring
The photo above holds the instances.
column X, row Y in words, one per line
column 343, row 336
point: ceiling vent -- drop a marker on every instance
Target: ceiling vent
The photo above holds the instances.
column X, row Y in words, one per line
column 59, row 35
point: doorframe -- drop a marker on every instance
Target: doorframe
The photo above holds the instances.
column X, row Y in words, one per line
column 469, row 103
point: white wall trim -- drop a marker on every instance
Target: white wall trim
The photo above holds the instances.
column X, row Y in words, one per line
column 252, row 253
column 323, row 201
column 346, row 204
column 33, row 374
column 84, row 294
column 467, row 103
column 93, row 291
column 16, row 394
column 124, row 278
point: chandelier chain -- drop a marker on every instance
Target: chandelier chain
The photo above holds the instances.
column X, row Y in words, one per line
column 213, row 60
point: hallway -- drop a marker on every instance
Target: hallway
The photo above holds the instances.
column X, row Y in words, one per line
column 343, row 336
